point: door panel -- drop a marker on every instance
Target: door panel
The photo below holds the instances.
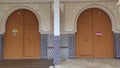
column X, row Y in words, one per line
column 84, row 40
column 31, row 36
column 13, row 43
column 31, row 42
column 21, row 37
column 84, row 35
column 96, row 25
column 103, row 45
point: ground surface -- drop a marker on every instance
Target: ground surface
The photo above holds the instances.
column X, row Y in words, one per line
column 91, row 63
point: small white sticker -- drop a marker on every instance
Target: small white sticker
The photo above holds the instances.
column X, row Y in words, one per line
column 14, row 31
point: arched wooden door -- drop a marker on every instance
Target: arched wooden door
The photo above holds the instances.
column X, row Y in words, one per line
column 94, row 37
column 22, row 38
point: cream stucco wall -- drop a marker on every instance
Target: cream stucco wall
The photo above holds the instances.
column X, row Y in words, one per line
column 73, row 10
column 41, row 10
column 69, row 10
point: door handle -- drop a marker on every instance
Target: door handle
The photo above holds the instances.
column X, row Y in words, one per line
column 29, row 40
column 86, row 39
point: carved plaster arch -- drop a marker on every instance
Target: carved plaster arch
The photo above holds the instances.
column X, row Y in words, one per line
column 105, row 9
column 14, row 9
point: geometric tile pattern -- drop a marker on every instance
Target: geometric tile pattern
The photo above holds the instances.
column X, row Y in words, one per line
column 57, row 54
column 117, row 45
column 50, row 40
column 50, row 53
column 63, row 45
column 1, row 46
column 67, row 40
column 50, row 46
column 44, row 44
column 64, row 40
column 64, row 53
column 71, row 44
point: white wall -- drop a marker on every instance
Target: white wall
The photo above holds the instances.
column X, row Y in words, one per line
column 70, row 11
column 42, row 11
column 73, row 10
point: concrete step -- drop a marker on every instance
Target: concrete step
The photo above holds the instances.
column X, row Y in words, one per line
column 26, row 63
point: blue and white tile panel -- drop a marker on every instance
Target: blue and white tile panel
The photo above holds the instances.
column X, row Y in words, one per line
column 71, row 45
column 57, row 54
column 117, row 45
column 44, row 40
column 1, row 45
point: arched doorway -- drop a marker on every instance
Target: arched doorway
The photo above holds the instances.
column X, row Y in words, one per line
column 94, row 36
column 22, row 37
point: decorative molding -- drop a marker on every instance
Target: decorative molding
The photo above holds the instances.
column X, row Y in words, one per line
column 36, row 1
column 5, row 17
column 110, row 14
column 118, row 4
column 42, row 12
column 61, row 7
column 75, row 9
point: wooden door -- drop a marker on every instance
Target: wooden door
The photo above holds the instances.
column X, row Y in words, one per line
column 20, row 37
column 103, row 45
column 31, row 36
column 95, row 40
column 84, row 35
column 13, row 43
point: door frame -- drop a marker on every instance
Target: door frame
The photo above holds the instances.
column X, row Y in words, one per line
column 108, row 12
column 76, row 31
column 23, row 25
column 7, row 14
